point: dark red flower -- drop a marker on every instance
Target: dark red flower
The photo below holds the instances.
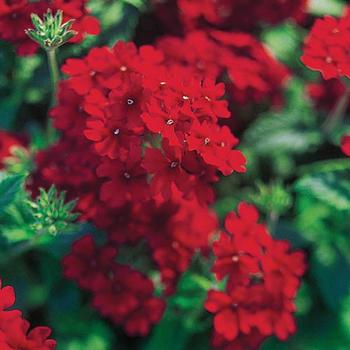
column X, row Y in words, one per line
column 127, row 180
column 88, row 264
column 128, row 300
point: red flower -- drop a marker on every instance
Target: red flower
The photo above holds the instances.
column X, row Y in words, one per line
column 128, row 300
column 16, row 335
column 167, row 170
column 95, row 70
column 87, row 264
column 345, row 145
column 230, row 13
column 127, row 180
column 14, row 329
column 236, row 257
column 326, row 47
column 263, row 276
column 230, row 319
column 215, row 144
column 163, row 122
column 111, row 136
column 259, row 76
column 128, row 101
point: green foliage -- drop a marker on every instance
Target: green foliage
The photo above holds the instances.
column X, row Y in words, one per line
column 272, row 198
column 326, row 7
column 10, row 186
column 50, row 33
column 50, row 211
column 331, row 187
column 281, row 136
column 285, row 42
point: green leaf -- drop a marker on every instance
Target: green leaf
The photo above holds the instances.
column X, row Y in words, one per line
column 285, row 42
column 332, row 188
column 326, row 7
column 10, row 186
column 289, row 132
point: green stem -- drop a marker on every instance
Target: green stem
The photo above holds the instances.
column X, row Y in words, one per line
column 55, row 78
column 337, row 113
column 54, row 73
column 273, row 221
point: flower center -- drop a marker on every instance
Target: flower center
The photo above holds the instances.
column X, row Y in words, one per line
column 185, row 97
column 329, row 59
column 235, row 258
column 173, row 164
column 123, row 68
column 127, row 175
column 130, row 101
column 170, row 122
column 116, row 132
column 206, row 140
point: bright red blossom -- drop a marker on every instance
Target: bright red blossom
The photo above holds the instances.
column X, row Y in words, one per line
column 327, row 46
column 263, row 276
column 14, row 330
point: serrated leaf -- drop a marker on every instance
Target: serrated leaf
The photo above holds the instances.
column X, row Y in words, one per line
column 9, row 188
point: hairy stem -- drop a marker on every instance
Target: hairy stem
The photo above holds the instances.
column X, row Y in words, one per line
column 54, row 73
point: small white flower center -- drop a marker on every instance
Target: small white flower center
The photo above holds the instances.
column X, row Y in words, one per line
column 170, row 122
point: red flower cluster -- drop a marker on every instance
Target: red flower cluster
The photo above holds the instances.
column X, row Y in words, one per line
column 327, row 46
column 9, row 140
column 262, row 280
column 259, row 76
column 345, row 145
column 14, row 330
column 15, row 18
column 141, row 147
column 231, row 14
column 119, row 292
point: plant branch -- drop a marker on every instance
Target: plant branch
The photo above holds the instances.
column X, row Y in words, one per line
column 336, row 115
column 54, row 73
